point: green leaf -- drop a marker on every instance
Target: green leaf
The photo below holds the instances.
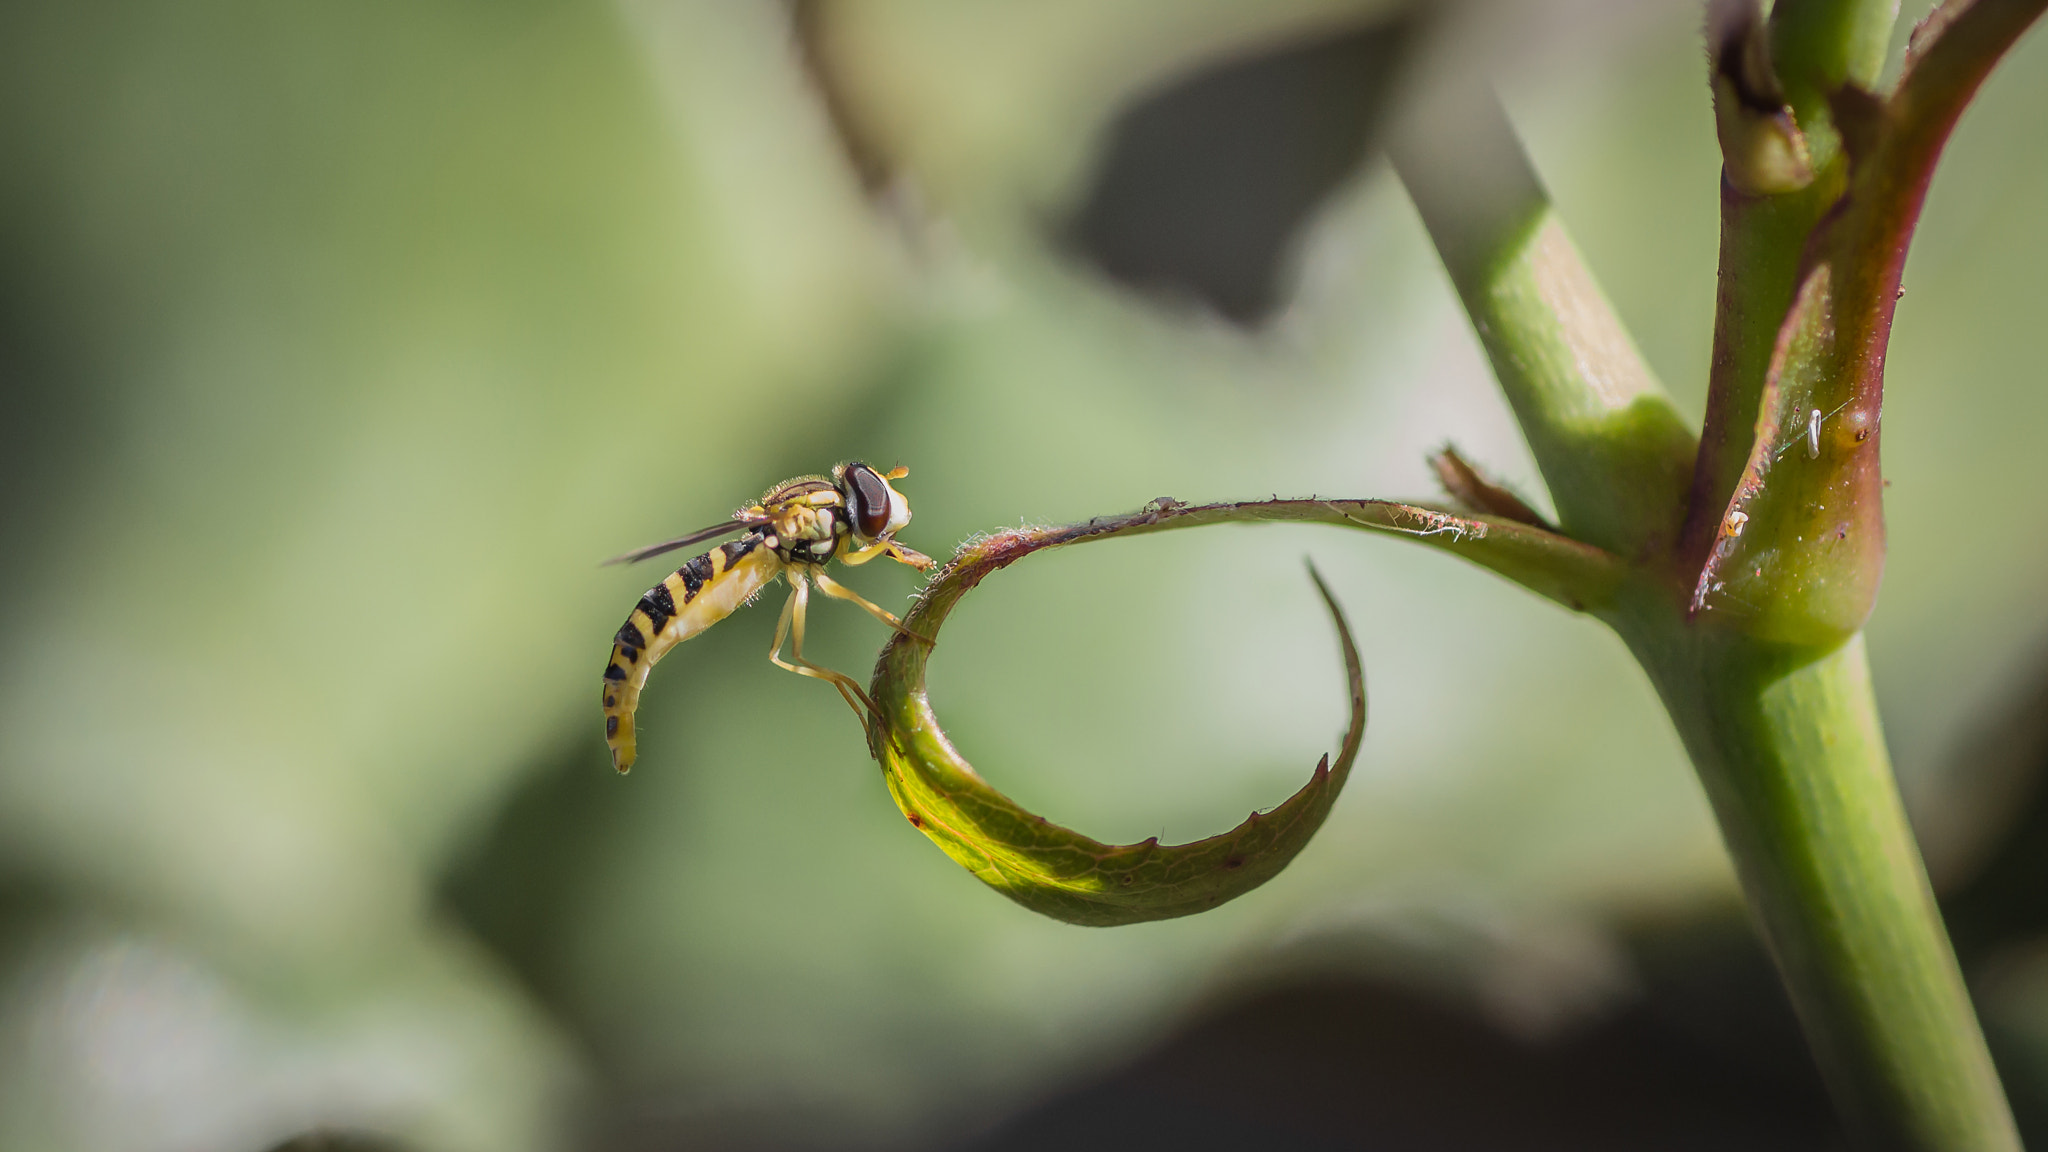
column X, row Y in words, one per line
column 1068, row 876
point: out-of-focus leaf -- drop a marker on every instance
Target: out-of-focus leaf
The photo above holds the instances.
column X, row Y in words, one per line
column 334, row 1140
column 1204, row 184
column 1991, row 830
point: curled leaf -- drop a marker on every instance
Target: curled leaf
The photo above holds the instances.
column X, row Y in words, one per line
column 1070, row 877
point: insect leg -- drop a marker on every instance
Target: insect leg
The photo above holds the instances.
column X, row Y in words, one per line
column 792, row 624
column 782, row 626
column 838, row 591
column 890, row 548
column 861, row 556
column 903, row 554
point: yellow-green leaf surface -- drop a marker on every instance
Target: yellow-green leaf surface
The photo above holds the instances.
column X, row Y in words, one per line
column 1066, row 875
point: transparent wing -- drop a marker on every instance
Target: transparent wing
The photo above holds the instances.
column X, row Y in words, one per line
column 697, row 537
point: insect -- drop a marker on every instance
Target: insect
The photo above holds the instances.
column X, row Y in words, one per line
column 852, row 515
column 1811, row 434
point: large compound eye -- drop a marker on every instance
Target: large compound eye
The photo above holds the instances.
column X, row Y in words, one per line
column 870, row 497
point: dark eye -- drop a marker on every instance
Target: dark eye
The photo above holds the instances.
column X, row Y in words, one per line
column 870, row 497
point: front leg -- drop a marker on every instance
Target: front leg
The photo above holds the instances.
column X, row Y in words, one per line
column 894, row 551
column 838, row 591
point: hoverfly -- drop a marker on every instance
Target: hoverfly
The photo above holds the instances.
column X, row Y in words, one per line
column 796, row 528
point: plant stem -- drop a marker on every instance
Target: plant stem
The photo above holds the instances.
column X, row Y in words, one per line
column 1762, row 241
column 1614, row 452
column 1786, row 739
column 1819, row 45
column 1790, row 751
column 1816, row 47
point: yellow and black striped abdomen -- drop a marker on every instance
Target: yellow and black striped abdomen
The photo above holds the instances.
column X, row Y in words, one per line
column 698, row 595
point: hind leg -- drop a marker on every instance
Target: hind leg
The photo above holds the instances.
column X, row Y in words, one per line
column 792, row 626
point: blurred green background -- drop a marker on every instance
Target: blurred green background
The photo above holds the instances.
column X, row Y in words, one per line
column 339, row 342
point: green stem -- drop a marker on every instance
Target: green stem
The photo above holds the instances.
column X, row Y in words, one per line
column 1786, row 740
column 1613, row 450
column 1762, row 241
column 1793, row 760
column 1818, row 46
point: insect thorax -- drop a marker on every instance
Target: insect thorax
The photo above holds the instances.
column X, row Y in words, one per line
column 807, row 520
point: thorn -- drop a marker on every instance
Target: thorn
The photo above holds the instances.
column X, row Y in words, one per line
column 1468, row 486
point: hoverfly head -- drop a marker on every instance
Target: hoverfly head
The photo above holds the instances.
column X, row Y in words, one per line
column 876, row 509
